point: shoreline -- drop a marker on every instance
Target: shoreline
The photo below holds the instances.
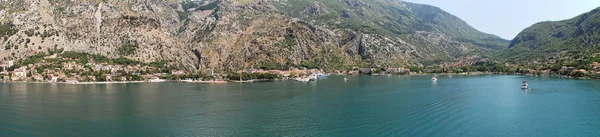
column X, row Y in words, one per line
column 275, row 80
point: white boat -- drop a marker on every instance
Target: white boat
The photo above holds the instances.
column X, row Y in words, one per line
column 302, row 79
column 345, row 79
column 157, row 80
column 524, row 85
column 322, row 76
column 313, row 77
column 434, row 79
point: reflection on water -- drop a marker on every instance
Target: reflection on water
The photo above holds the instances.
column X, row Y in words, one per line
column 456, row 105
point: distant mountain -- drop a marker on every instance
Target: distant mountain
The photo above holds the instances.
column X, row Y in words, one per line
column 235, row 34
column 579, row 36
column 391, row 17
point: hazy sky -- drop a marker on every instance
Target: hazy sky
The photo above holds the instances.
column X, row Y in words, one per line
column 506, row 18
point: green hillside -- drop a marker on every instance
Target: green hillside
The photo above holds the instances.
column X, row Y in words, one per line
column 579, row 36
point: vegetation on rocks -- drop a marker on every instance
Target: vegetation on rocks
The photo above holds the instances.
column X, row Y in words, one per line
column 6, row 30
column 579, row 36
column 128, row 48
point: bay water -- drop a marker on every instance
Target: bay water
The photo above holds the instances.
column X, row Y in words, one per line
column 459, row 105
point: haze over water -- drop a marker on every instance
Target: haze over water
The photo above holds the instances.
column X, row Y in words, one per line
column 361, row 106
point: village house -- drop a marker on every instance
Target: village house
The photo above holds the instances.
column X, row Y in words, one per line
column 62, row 76
column 209, row 72
column 177, row 72
column 108, row 77
column 595, row 66
column 533, row 71
column 397, row 71
column 365, row 70
column 98, row 67
column 546, row 72
column 91, row 62
column 71, row 80
column 20, row 72
column 4, row 72
column 14, row 77
column 91, row 78
column 38, row 77
column 565, row 68
column 275, row 72
column 147, row 77
column 7, row 64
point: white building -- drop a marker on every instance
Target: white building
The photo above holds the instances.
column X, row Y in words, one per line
column 21, row 72
column 9, row 63
column 209, row 72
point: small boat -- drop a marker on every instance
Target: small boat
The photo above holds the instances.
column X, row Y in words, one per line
column 302, row 79
column 313, row 77
column 345, row 79
column 155, row 80
column 524, row 85
column 434, row 79
column 322, row 76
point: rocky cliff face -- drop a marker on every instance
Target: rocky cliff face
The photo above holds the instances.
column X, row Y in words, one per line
column 227, row 34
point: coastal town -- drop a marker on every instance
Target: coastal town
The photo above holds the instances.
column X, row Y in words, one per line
column 82, row 68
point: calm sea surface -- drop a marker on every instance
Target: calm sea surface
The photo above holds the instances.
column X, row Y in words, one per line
column 362, row 106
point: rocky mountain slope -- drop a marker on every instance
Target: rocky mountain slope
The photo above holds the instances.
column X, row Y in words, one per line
column 577, row 36
column 234, row 34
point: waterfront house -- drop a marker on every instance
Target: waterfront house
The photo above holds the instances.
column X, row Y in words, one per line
column 108, row 77
column 209, row 72
column 365, row 70
column 595, row 66
column 38, row 77
column 107, row 68
column 71, row 80
column 582, row 70
column 177, row 72
column 565, row 68
column 4, row 72
column 62, row 76
column 391, row 70
column 91, row 78
column 15, row 77
column 275, row 72
column 397, row 71
column 98, row 67
column 353, row 73
column 546, row 72
column 6, row 78
column 52, row 78
column 91, row 62
column 20, row 72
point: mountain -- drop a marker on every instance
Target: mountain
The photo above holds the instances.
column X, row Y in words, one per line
column 577, row 36
column 233, row 34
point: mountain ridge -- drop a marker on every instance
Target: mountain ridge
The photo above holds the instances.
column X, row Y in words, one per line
column 230, row 35
column 577, row 35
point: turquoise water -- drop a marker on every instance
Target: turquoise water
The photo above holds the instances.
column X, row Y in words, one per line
column 362, row 106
